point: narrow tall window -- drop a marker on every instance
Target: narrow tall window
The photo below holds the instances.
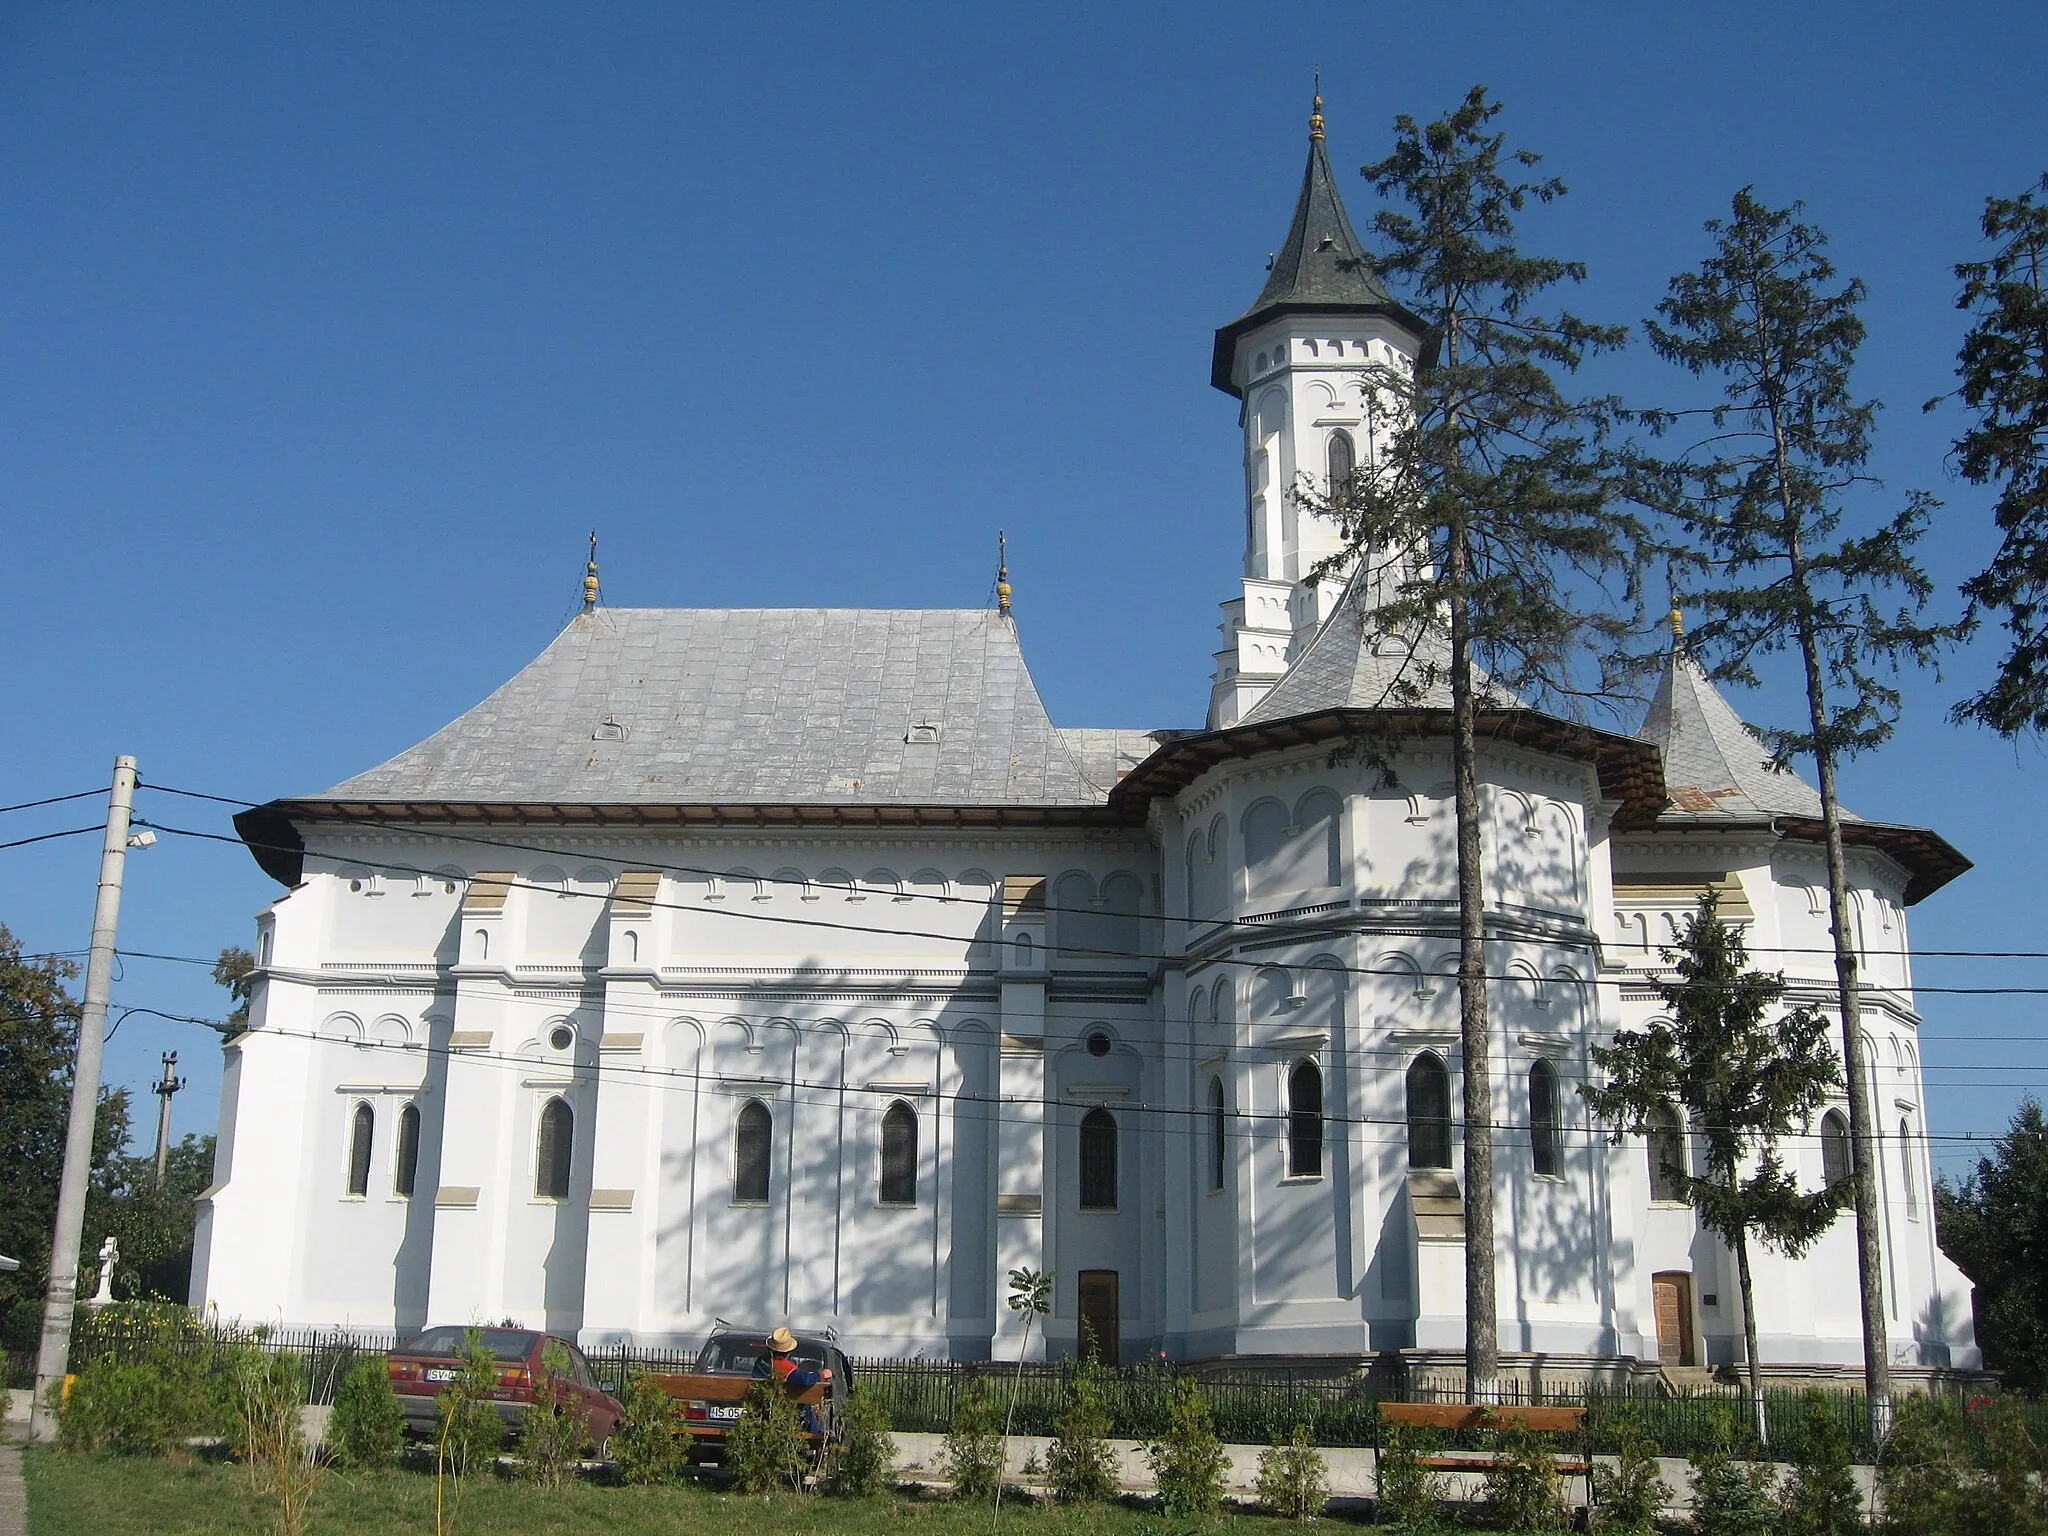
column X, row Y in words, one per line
column 1666, row 1144
column 405, row 1170
column 899, row 1155
column 1429, row 1112
column 1907, row 1182
column 1543, row 1119
column 750, row 1153
column 1098, row 1161
column 1836, row 1163
column 1218, row 1124
column 551, row 1151
column 1343, row 460
column 1305, row 1121
column 362, row 1126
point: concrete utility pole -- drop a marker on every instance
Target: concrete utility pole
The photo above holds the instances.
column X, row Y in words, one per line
column 61, row 1299
column 164, row 1090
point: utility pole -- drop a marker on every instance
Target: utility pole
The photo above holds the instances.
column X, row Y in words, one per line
column 61, row 1299
column 164, row 1090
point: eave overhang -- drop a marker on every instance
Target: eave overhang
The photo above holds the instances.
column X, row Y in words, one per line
column 1223, row 360
column 1929, row 859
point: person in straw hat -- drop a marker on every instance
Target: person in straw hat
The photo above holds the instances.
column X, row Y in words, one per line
column 780, row 1364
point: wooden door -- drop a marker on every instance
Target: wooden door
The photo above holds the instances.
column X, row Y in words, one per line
column 1673, row 1292
column 1099, row 1334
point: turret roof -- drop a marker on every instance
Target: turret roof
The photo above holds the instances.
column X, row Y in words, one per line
column 1713, row 762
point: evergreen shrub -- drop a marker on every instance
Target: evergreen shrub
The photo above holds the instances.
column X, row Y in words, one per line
column 764, row 1449
column 1523, row 1490
column 1078, row 1463
column 555, row 1427
column 1408, row 1495
column 863, row 1455
column 651, row 1446
column 1629, row 1494
column 1294, row 1479
column 1819, row 1496
column 1728, row 1497
column 973, row 1456
column 469, row 1433
column 366, row 1429
column 1187, row 1459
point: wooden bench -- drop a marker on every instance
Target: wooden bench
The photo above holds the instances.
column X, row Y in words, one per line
column 1485, row 1416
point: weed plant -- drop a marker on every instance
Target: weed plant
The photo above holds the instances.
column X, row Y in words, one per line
column 765, row 1449
column 269, row 1392
column 1294, row 1479
column 1078, row 1463
column 1187, row 1459
column 862, row 1458
column 366, row 1430
column 973, row 1456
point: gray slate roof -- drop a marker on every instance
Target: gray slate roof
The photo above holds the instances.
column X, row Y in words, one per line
column 779, row 706
column 1713, row 765
column 1348, row 667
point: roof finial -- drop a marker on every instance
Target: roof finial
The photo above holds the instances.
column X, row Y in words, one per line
column 1315, row 116
column 590, row 576
column 1677, row 614
column 1002, row 574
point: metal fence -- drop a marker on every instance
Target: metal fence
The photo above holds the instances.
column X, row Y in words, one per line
column 1251, row 1405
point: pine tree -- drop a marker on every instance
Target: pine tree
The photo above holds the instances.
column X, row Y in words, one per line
column 1486, row 520
column 1995, row 1226
column 2003, row 367
column 1764, row 499
column 1746, row 1077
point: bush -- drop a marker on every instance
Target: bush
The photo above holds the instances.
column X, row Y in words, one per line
column 1187, row 1459
column 863, row 1456
column 1294, row 1480
column 1077, row 1463
column 1629, row 1495
column 1729, row 1499
column 1819, row 1498
column 973, row 1457
column 765, row 1449
column 367, row 1427
column 2009, row 1497
column 1407, row 1493
column 1523, row 1490
column 1927, row 1483
column 128, row 1410
column 552, row 1432
column 651, row 1446
column 469, row 1433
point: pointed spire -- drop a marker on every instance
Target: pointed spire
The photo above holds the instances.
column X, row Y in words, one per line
column 1320, row 267
column 590, row 587
column 1002, row 575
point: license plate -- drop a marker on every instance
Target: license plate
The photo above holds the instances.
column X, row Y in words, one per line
column 437, row 1374
column 726, row 1411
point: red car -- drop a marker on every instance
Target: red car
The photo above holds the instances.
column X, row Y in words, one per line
column 424, row 1364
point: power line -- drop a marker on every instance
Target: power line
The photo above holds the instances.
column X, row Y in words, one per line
column 23, row 842
column 29, row 805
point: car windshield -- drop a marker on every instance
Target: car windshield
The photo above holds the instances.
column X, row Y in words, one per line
column 503, row 1343
column 739, row 1353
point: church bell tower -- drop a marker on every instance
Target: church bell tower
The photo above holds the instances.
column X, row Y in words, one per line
column 1299, row 362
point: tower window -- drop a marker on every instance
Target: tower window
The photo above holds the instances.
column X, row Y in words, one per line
column 405, row 1170
column 899, row 1155
column 1836, row 1163
column 1218, row 1124
column 1907, row 1183
column 1543, row 1136
column 1305, row 1121
column 1098, row 1161
column 1429, row 1112
column 362, row 1126
column 750, row 1154
column 1666, row 1140
column 1343, row 456
column 551, row 1151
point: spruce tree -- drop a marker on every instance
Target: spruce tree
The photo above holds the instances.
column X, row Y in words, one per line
column 1746, row 1077
column 2003, row 367
column 1764, row 497
column 1486, row 520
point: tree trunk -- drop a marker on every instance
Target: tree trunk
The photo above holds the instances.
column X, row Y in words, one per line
column 1877, row 1370
column 1756, row 1370
column 1482, row 1347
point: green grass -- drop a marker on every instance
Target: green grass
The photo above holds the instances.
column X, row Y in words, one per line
column 114, row 1496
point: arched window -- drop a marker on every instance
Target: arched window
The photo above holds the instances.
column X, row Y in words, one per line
column 1543, row 1136
column 551, row 1152
column 405, row 1169
column 1305, row 1121
column 361, row 1127
column 1098, row 1161
column 1343, row 460
column 899, row 1155
column 1218, row 1126
column 1836, row 1162
column 750, row 1153
column 1429, row 1112
column 1907, row 1183
column 1666, row 1144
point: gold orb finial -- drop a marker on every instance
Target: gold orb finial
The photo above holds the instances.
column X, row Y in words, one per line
column 1002, row 575
column 590, row 587
column 1677, row 620
column 1315, row 116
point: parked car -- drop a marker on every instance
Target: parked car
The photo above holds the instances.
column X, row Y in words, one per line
column 730, row 1362
column 423, row 1365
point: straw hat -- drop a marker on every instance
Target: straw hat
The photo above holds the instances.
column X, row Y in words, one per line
column 782, row 1341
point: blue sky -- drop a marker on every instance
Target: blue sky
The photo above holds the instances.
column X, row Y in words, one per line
column 327, row 333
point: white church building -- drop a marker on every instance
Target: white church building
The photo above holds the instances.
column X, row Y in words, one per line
column 792, row 965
